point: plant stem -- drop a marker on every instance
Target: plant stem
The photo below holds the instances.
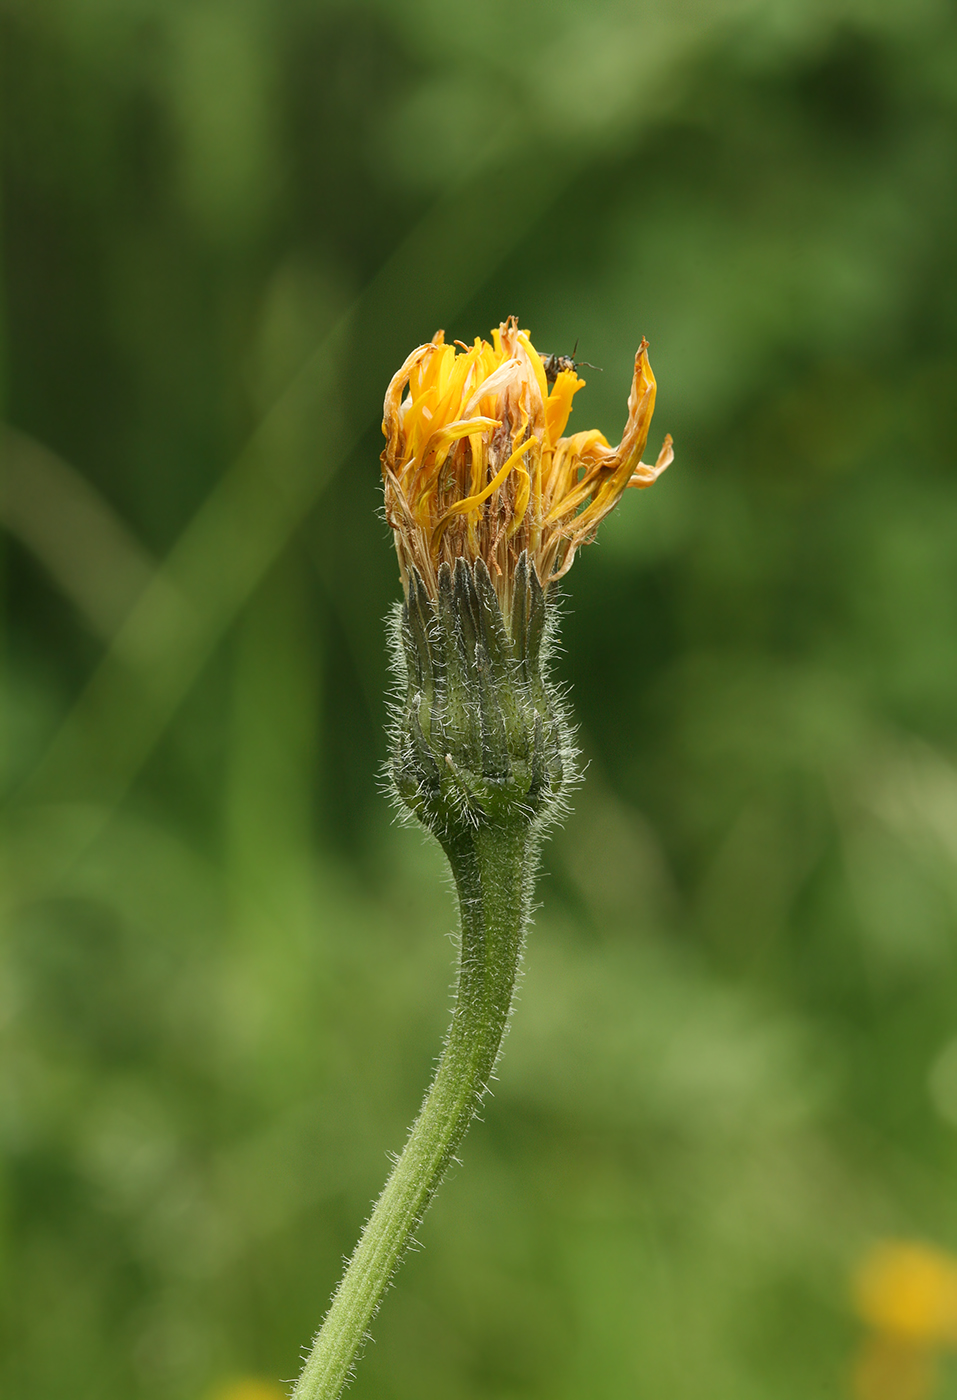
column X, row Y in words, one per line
column 492, row 866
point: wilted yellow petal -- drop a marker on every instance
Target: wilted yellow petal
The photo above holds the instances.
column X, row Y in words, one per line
column 475, row 464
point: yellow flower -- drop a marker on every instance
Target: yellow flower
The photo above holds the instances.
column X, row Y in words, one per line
column 908, row 1291
column 250, row 1389
column 890, row 1369
column 475, row 464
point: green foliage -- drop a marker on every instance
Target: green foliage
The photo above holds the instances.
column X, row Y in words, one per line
column 223, row 975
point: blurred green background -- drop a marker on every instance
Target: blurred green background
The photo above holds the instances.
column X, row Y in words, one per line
column 224, row 971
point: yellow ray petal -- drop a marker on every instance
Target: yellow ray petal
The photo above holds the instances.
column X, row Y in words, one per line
column 471, row 502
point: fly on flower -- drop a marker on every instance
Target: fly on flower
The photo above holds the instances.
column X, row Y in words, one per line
column 476, row 464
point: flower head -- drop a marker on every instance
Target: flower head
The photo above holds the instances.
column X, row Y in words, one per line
column 476, row 465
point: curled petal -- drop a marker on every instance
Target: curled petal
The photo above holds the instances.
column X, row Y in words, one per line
column 647, row 476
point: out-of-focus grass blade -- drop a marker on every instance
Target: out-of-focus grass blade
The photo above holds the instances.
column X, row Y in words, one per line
column 90, row 553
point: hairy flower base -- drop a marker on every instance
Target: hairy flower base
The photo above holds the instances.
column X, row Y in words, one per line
column 480, row 737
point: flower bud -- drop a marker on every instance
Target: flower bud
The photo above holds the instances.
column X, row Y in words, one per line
column 481, row 736
column 488, row 503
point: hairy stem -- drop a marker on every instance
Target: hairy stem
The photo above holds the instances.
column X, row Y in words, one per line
column 493, row 866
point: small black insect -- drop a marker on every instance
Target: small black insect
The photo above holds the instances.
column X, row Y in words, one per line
column 554, row 364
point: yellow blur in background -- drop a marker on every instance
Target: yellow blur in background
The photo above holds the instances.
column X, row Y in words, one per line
column 906, row 1294
column 249, row 1388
